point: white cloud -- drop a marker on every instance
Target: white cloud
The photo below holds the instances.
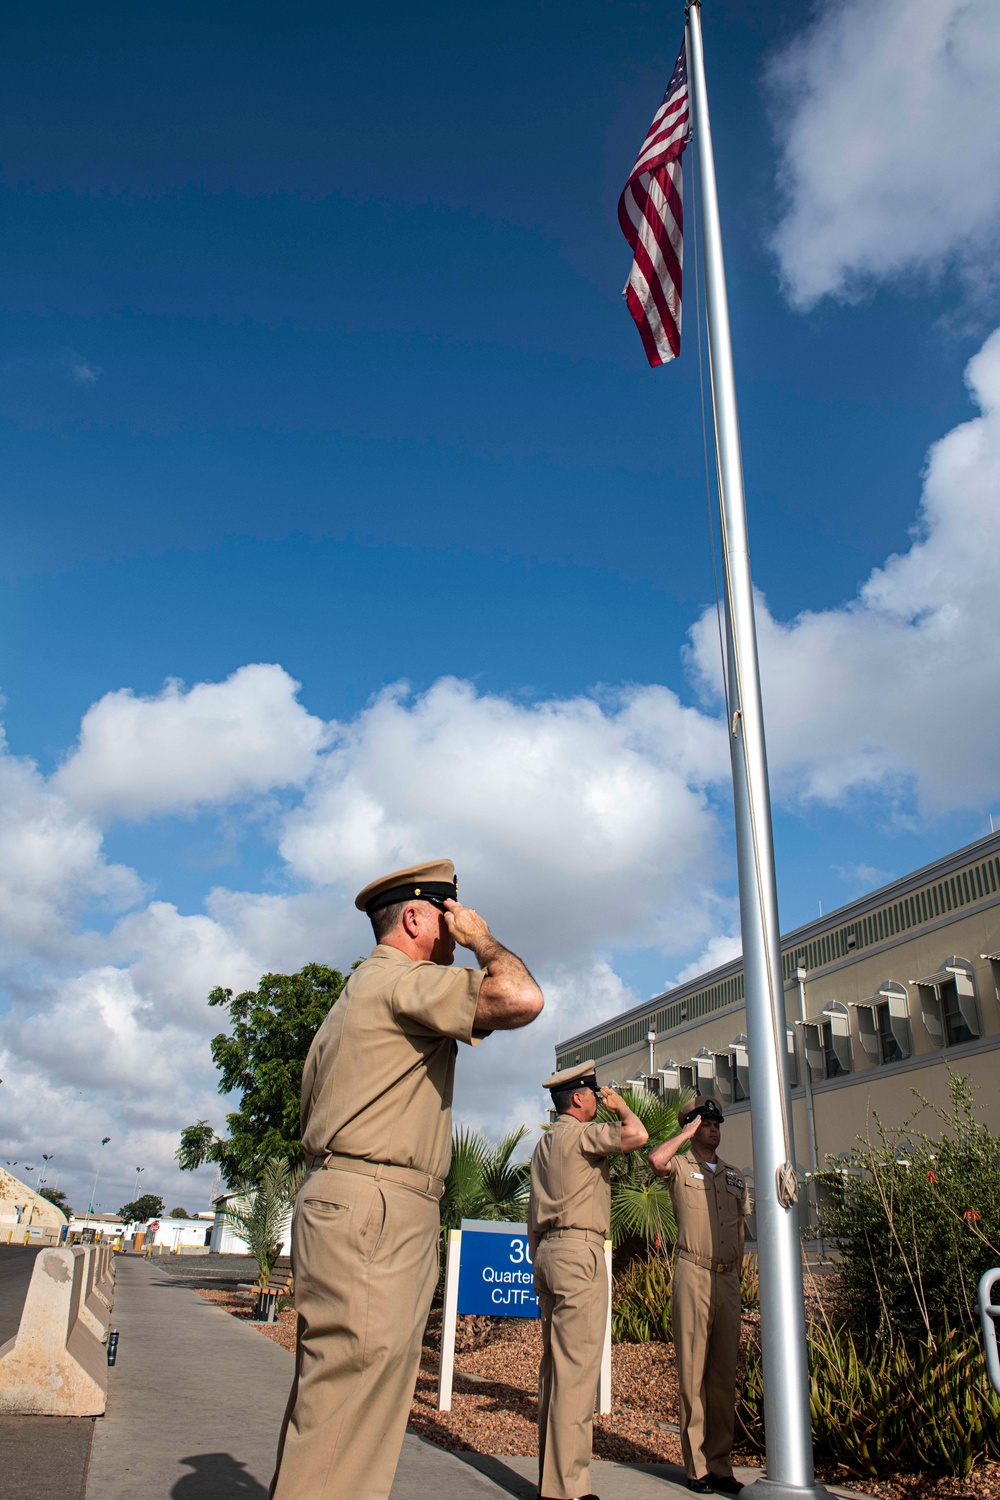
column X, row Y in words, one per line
column 899, row 690
column 580, row 827
column 51, row 864
column 890, row 146
column 498, row 1084
column 216, row 742
column 571, row 823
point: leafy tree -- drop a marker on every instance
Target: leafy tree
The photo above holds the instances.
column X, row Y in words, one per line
column 642, row 1215
column 261, row 1061
column 196, row 1145
column 917, row 1221
column 261, row 1207
column 178, row 1213
column 149, row 1206
column 483, row 1182
column 57, row 1197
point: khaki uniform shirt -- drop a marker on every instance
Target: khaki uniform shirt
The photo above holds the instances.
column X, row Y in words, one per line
column 708, row 1207
column 378, row 1079
column 571, row 1176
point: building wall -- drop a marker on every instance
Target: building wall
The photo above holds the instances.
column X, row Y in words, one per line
column 21, row 1206
column 843, row 1105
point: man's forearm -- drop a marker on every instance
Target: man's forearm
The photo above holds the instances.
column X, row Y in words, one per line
column 661, row 1156
column 508, row 996
column 634, row 1132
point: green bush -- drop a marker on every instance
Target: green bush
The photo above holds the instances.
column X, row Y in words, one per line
column 750, row 1283
column 640, row 1302
column 916, row 1220
column 890, row 1407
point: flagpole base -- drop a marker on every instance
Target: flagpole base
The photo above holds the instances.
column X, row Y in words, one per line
column 774, row 1489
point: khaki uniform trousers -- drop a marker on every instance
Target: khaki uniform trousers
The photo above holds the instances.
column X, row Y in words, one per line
column 365, row 1261
column 572, row 1287
column 705, row 1310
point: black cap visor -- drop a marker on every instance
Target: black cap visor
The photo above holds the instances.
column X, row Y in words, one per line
column 437, row 892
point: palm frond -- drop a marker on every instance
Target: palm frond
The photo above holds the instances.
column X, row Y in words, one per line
column 483, row 1182
column 260, row 1209
column 643, row 1212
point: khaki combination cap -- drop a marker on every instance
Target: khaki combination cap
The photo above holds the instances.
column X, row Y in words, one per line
column 705, row 1106
column 583, row 1076
column 434, row 881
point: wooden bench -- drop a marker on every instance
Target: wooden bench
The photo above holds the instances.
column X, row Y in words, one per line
column 279, row 1284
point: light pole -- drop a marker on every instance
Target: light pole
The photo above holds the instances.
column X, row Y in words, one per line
column 46, row 1158
column 93, row 1198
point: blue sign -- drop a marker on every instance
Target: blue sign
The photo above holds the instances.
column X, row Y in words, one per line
column 495, row 1274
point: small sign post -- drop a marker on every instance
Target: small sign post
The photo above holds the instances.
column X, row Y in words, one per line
column 488, row 1271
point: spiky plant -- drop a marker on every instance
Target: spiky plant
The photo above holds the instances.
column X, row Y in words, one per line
column 259, row 1210
column 642, row 1215
column 483, row 1181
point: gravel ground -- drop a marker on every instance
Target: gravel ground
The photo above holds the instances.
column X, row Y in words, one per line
column 495, row 1405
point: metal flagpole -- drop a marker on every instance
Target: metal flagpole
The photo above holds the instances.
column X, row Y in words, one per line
column 782, row 1310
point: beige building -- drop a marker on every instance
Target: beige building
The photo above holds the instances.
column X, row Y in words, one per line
column 22, row 1209
column 881, row 998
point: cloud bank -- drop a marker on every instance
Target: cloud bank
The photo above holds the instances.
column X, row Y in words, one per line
column 890, row 146
column 583, row 827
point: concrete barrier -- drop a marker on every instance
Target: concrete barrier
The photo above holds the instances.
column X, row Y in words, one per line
column 95, row 1305
column 56, row 1364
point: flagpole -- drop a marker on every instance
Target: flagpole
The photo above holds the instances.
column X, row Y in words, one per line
column 782, row 1310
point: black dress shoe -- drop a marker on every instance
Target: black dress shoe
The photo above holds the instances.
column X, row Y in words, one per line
column 725, row 1484
column 700, row 1486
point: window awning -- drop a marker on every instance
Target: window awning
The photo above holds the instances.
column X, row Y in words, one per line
column 993, row 957
column 935, row 981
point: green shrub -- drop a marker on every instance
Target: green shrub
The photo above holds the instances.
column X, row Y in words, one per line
column 890, row 1407
column 750, row 1283
column 640, row 1302
column 916, row 1220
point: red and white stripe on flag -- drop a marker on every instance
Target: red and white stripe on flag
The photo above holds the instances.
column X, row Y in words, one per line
column 651, row 215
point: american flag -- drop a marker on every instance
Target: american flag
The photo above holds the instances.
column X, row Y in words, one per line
column 651, row 215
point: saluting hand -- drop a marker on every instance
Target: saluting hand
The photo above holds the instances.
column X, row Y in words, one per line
column 468, row 927
column 611, row 1100
column 690, row 1129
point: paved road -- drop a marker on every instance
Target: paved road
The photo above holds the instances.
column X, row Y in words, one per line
column 16, row 1265
column 204, row 1267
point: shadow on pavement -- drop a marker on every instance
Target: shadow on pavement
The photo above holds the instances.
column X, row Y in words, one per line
column 508, row 1479
column 217, row 1476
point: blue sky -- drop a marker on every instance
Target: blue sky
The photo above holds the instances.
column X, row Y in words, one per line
column 312, row 353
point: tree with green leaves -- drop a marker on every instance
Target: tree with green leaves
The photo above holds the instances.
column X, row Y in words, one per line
column 141, row 1210
column 261, row 1060
column 178, row 1213
column 57, row 1198
column 261, row 1207
column 642, row 1215
column 483, row 1181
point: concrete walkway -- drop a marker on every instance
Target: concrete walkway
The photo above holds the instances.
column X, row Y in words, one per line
column 196, row 1399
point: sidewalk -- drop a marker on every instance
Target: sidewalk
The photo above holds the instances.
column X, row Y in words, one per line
column 196, row 1399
